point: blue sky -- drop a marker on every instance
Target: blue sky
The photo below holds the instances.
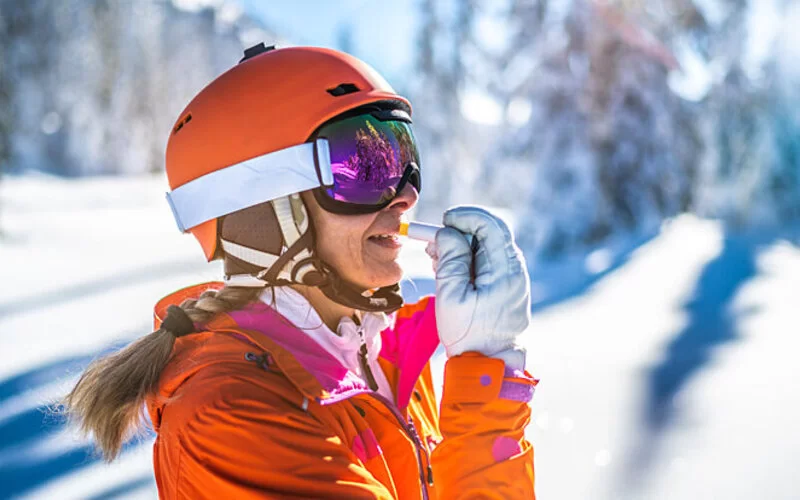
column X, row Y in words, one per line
column 383, row 33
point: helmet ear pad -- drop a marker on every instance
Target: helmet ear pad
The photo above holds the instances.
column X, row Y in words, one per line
column 255, row 227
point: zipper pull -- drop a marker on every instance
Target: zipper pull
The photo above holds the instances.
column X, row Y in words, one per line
column 414, row 433
column 418, row 439
column 364, row 362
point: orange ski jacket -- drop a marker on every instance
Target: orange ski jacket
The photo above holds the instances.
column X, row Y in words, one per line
column 251, row 408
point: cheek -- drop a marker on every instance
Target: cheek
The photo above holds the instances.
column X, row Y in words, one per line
column 340, row 241
column 342, row 246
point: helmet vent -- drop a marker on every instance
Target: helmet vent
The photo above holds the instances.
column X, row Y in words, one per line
column 181, row 123
column 255, row 50
column 343, row 89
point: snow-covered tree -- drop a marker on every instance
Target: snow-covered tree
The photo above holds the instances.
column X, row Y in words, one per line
column 615, row 113
column 20, row 20
column 595, row 141
column 117, row 75
column 750, row 174
column 451, row 146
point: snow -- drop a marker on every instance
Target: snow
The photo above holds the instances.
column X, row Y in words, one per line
column 667, row 361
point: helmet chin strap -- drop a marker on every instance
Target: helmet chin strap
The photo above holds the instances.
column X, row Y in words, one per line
column 298, row 263
column 385, row 299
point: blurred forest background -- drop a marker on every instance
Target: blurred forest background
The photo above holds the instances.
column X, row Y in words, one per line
column 647, row 153
column 586, row 118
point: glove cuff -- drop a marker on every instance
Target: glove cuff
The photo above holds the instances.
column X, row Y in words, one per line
column 511, row 354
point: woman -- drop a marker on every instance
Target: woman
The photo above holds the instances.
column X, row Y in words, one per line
column 304, row 374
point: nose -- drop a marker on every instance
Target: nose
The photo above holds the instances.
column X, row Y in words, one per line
column 405, row 200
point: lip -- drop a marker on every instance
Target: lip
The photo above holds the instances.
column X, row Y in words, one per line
column 390, row 243
column 384, row 233
column 387, row 228
column 393, row 230
column 393, row 242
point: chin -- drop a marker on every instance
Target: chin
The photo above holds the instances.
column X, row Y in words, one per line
column 387, row 276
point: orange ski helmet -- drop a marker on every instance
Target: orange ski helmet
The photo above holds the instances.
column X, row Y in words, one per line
column 273, row 99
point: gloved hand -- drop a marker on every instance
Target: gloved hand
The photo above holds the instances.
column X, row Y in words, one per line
column 488, row 316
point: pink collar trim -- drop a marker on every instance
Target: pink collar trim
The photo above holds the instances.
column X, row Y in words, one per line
column 409, row 346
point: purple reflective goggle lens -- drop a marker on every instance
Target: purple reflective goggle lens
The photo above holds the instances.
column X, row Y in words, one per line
column 370, row 159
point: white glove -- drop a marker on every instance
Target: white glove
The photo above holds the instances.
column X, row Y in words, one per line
column 488, row 316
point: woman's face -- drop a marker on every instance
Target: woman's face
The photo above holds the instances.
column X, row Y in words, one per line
column 363, row 249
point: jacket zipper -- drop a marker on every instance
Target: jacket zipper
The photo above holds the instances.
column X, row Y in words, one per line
column 407, row 426
column 364, row 361
column 411, row 431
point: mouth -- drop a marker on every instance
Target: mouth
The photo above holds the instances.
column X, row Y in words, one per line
column 386, row 240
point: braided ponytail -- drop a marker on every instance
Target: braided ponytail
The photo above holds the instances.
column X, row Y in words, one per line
column 108, row 400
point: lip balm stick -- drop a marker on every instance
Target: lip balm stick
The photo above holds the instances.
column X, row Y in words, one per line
column 419, row 231
column 425, row 232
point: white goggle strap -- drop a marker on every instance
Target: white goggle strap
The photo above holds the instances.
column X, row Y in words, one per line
column 258, row 180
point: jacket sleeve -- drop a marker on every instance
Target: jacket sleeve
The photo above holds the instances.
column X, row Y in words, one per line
column 484, row 412
column 249, row 445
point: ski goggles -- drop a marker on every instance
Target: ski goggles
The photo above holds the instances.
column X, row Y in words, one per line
column 372, row 157
column 354, row 165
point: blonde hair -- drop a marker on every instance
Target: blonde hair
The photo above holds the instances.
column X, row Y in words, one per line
column 108, row 400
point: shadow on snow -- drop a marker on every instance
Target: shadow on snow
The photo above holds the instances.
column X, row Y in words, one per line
column 103, row 285
column 21, row 467
column 710, row 323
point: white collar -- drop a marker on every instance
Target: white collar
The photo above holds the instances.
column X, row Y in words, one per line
column 343, row 345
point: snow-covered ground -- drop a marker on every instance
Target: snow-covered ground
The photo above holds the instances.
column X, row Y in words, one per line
column 667, row 363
